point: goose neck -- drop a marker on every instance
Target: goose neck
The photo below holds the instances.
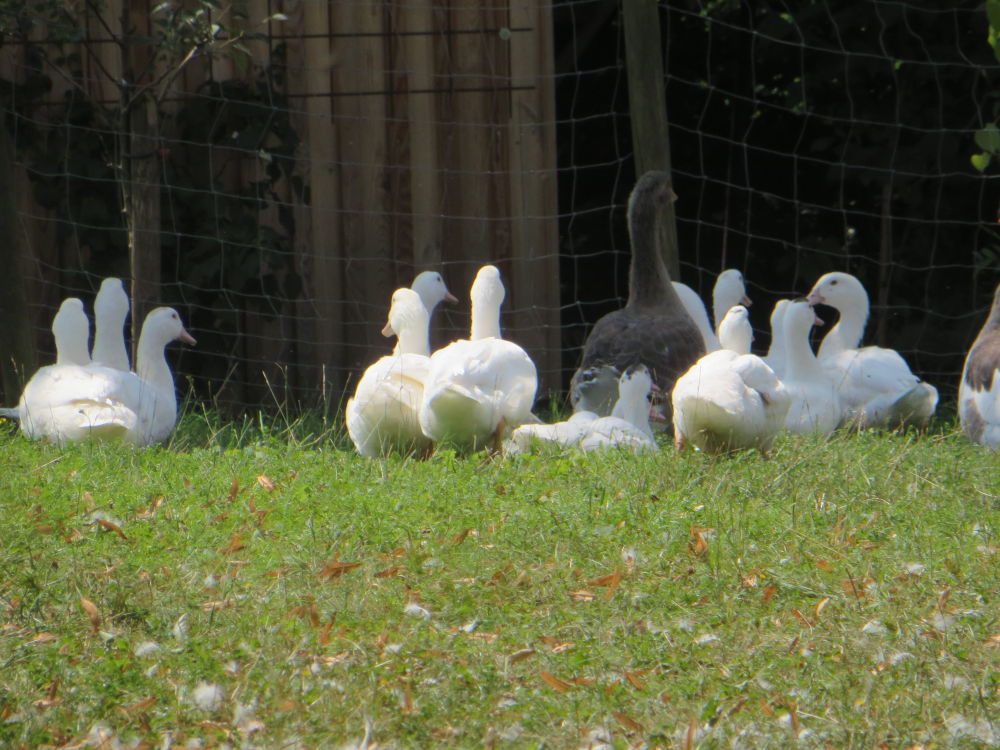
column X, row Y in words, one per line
column 848, row 331
column 800, row 362
column 485, row 321
column 151, row 362
column 414, row 339
column 648, row 280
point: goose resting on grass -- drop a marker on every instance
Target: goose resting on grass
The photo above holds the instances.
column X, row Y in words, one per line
column 382, row 415
column 75, row 402
column 877, row 387
column 627, row 427
column 653, row 328
column 730, row 399
column 815, row 405
column 481, row 388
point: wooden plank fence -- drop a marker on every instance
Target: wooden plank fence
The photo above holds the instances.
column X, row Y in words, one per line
column 427, row 141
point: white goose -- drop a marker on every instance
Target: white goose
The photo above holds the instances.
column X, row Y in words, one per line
column 775, row 358
column 815, row 404
column 627, row 427
column 480, row 388
column 73, row 402
column 729, row 290
column 730, row 399
column 432, row 290
column 382, row 415
column 111, row 307
column 979, row 389
column 71, row 329
column 877, row 387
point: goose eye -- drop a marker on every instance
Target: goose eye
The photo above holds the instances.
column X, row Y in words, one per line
column 833, row 283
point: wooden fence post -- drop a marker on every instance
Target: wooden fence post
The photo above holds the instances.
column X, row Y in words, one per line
column 18, row 353
column 647, row 108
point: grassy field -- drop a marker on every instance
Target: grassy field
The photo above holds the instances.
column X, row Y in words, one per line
column 258, row 588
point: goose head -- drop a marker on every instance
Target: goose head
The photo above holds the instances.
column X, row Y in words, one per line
column 634, row 388
column 432, row 290
column 594, row 389
column 71, row 329
column 163, row 325
column 487, row 295
column 839, row 290
column 111, row 302
column 798, row 319
column 730, row 289
column 635, row 384
column 653, row 188
column 408, row 320
column 777, row 313
column 735, row 331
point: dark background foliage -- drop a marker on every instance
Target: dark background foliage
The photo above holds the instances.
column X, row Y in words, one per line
column 799, row 131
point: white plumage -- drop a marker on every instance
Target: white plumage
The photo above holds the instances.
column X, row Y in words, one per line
column 75, row 402
column 815, row 405
column 875, row 384
column 482, row 387
column 383, row 414
column 730, row 399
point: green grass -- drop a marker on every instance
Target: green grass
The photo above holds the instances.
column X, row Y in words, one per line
column 844, row 592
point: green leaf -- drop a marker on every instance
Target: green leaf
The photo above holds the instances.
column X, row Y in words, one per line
column 980, row 161
column 988, row 139
column 993, row 13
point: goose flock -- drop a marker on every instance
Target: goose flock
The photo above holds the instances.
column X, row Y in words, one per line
column 657, row 363
column 93, row 393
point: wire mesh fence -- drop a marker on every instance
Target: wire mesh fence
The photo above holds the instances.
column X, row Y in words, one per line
column 347, row 146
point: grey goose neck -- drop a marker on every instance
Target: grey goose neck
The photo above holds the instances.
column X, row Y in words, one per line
column 649, row 281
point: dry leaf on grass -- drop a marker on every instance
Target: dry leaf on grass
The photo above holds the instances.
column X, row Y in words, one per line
column 698, row 544
column 460, row 536
column 109, row 526
column 93, row 614
column 822, row 604
column 235, row 544
column 154, row 506
column 633, row 679
column 629, row 723
column 610, row 580
column 266, row 482
column 560, row 686
column 335, row 568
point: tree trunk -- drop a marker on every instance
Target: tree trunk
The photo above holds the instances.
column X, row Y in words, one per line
column 17, row 360
column 141, row 195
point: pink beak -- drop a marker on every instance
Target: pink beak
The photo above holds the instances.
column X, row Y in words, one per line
column 449, row 297
column 815, row 298
column 746, row 301
column 187, row 338
column 387, row 331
